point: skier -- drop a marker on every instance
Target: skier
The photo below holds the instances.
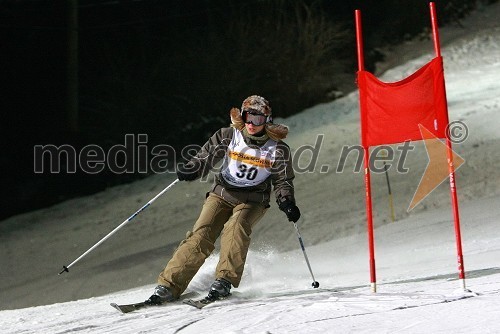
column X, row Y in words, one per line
column 254, row 159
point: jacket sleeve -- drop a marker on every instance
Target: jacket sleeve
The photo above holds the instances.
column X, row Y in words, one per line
column 210, row 153
column 283, row 175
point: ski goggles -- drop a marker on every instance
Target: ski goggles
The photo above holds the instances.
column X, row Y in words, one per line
column 254, row 118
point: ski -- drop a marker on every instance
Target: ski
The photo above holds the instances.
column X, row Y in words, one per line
column 129, row 307
column 126, row 308
column 201, row 303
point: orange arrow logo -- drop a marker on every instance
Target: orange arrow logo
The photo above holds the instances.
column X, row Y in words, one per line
column 437, row 169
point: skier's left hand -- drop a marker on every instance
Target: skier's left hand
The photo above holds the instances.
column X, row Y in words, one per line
column 291, row 210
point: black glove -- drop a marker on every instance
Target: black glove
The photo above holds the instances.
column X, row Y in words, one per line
column 187, row 173
column 291, row 210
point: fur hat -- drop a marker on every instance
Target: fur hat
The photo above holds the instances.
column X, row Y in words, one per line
column 257, row 104
column 261, row 105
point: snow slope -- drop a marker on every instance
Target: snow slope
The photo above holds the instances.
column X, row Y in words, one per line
column 418, row 290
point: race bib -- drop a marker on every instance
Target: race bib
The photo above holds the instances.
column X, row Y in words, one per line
column 245, row 166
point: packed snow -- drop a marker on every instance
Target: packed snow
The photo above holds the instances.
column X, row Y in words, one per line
column 418, row 289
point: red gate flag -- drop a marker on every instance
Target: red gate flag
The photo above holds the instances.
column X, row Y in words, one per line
column 391, row 112
column 394, row 112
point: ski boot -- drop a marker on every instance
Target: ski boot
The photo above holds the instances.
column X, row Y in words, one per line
column 220, row 289
column 161, row 295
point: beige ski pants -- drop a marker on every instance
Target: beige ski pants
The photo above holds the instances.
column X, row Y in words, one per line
column 218, row 217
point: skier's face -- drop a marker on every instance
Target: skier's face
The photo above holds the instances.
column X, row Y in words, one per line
column 253, row 129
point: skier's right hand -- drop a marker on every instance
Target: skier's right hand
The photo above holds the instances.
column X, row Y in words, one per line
column 187, row 172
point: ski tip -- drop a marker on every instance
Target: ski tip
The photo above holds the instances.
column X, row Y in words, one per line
column 127, row 308
column 194, row 303
column 115, row 305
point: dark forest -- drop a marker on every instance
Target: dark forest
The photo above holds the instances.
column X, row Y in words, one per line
column 88, row 72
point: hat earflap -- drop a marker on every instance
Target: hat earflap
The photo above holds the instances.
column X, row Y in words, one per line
column 276, row 131
column 236, row 119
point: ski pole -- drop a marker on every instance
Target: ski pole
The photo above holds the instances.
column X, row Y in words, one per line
column 315, row 283
column 391, row 203
column 66, row 268
column 384, row 154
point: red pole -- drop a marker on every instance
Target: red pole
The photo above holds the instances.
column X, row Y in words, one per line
column 359, row 40
column 456, row 215
column 369, row 219
column 451, row 168
column 435, row 33
column 366, row 151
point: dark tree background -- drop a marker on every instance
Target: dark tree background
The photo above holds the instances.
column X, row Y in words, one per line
column 171, row 69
